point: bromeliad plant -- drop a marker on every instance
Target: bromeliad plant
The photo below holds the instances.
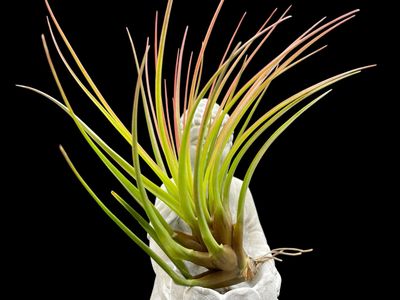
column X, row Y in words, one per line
column 198, row 194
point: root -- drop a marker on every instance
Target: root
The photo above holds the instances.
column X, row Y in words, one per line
column 273, row 254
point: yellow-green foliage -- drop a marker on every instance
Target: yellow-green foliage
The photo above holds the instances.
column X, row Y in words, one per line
column 198, row 194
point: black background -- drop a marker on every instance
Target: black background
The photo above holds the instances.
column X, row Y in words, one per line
column 324, row 183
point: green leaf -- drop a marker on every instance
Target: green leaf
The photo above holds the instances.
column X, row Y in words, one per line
column 260, row 154
column 162, row 263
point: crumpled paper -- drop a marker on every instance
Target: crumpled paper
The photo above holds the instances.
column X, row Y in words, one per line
column 267, row 282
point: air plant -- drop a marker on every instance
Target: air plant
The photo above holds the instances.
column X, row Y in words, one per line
column 198, row 194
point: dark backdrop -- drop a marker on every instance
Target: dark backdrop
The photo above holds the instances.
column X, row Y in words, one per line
column 323, row 185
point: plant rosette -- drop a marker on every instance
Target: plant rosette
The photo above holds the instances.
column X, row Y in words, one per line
column 206, row 240
column 267, row 281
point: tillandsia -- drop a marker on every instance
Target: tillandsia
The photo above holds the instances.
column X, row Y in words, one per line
column 195, row 183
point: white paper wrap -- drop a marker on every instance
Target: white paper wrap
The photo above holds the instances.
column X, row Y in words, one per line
column 264, row 286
